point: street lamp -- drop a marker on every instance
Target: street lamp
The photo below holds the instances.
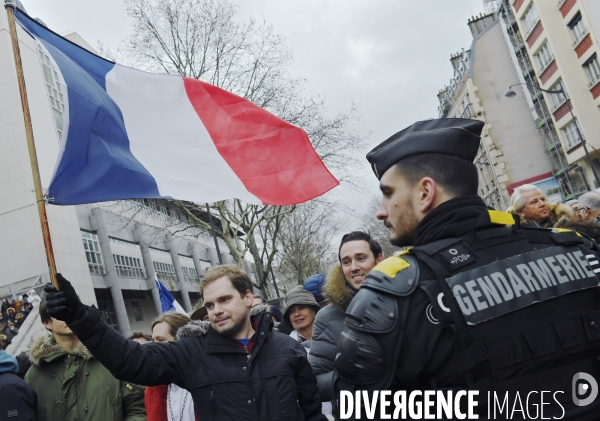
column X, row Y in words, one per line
column 511, row 94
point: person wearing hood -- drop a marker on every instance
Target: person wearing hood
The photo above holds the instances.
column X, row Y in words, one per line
column 239, row 370
column 358, row 254
column 71, row 384
column 17, row 399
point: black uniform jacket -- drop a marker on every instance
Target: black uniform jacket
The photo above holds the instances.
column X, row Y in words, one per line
column 274, row 382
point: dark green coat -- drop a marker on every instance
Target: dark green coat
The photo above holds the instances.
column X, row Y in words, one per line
column 77, row 387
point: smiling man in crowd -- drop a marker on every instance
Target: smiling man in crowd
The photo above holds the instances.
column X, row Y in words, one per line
column 358, row 254
column 239, row 370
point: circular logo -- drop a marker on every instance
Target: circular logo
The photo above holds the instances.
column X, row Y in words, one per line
column 430, row 316
column 453, row 252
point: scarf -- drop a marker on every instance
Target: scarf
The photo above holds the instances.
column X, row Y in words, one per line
column 453, row 218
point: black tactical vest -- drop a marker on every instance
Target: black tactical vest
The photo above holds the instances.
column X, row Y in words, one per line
column 524, row 304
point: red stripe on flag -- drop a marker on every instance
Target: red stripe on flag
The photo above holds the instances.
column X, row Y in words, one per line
column 274, row 159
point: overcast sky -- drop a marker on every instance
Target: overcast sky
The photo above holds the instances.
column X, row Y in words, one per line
column 390, row 57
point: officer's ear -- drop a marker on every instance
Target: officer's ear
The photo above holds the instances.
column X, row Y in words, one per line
column 379, row 258
column 428, row 192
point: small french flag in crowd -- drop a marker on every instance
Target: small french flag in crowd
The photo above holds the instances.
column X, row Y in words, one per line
column 130, row 134
column 167, row 301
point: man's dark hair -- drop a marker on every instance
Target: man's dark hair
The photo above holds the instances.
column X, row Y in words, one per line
column 44, row 315
column 457, row 176
column 361, row 236
column 140, row 334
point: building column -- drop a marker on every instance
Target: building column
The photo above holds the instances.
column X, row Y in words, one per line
column 111, row 271
column 213, row 256
column 187, row 304
column 196, row 258
column 141, row 239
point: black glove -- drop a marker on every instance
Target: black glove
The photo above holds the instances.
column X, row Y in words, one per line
column 64, row 305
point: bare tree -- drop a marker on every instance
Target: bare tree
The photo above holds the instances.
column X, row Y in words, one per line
column 377, row 230
column 204, row 39
column 305, row 246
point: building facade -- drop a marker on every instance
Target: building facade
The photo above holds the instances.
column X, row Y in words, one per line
column 112, row 251
column 511, row 152
column 560, row 40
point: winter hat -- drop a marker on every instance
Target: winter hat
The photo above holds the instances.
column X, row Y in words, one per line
column 298, row 296
column 8, row 363
column 314, row 285
column 274, row 310
column 199, row 312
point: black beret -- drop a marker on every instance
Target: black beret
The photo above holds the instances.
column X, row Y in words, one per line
column 451, row 136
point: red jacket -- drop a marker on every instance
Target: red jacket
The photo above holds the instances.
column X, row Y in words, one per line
column 155, row 399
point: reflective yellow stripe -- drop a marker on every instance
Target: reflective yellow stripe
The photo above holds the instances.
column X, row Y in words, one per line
column 391, row 266
column 565, row 230
column 501, row 218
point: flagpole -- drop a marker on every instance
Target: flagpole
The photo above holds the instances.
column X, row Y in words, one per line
column 37, row 183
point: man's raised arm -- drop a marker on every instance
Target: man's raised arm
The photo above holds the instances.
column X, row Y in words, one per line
column 148, row 364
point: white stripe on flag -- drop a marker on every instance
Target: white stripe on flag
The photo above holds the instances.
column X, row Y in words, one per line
column 168, row 138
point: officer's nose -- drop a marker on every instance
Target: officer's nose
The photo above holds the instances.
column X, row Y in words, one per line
column 382, row 211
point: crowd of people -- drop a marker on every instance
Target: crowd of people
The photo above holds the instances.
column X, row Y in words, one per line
column 429, row 318
column 12, row 316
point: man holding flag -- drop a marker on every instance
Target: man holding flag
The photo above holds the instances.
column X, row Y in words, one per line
column 239, row 370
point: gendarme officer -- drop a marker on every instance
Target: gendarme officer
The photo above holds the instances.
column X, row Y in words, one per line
column 479, row 303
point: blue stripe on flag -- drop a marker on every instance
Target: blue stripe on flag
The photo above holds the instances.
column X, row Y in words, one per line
column 97, row 159
column 166, row 299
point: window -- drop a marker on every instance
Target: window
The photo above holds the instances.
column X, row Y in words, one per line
column 557, row 99
column 578, row 29
column 544, row 56
column 592, row 68
column 92, row 253
column 571, row 133
column 130, row 267
column 165, row 271
column 530, row 19
column 190, row 274
column 55, row 94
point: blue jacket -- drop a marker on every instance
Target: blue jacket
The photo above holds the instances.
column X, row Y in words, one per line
column 17, row 399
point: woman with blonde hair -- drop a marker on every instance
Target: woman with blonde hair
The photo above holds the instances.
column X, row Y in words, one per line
column 168, row 402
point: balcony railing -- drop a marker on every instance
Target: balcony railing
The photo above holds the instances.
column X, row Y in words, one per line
column 468, row 112
column 580, row 37
column 166, row 276
column 131, row 272
column 594, row 81
column 96, row 269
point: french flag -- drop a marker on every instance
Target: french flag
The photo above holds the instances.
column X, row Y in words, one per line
column 130, row 134
column 167, row 301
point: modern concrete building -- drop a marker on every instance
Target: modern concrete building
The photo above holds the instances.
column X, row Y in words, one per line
column 109, row 251
column 561, row 41
column 512, row 151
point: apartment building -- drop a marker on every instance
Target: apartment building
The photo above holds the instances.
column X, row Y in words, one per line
column 512, row 148
column 561, row 41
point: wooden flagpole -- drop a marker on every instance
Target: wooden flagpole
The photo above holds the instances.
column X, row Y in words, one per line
column 37, row 183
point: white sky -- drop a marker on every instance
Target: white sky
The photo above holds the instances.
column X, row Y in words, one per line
column 390, row 57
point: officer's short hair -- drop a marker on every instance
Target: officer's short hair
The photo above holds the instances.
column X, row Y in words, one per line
column 457, row 176
column 239, row 278
column 590, row 200
column 361, row 236
column 517, row 203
